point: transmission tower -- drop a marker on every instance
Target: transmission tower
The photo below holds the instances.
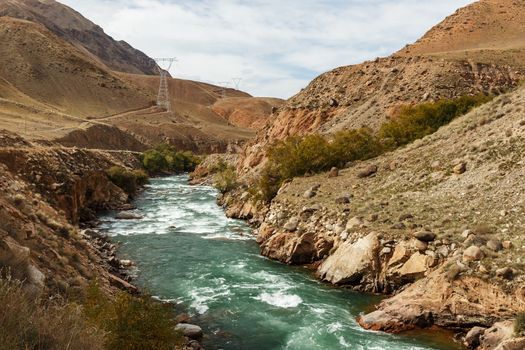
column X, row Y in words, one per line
column 224, row 86
column 163, row 98
column 236, row 82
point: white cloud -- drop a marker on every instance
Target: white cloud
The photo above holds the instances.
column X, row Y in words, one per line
column 277, row 46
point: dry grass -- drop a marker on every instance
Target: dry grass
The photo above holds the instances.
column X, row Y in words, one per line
column 29, row 323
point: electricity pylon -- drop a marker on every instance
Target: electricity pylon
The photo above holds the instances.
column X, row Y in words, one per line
column 236, row 82
column 224, row 86
column 163, row 98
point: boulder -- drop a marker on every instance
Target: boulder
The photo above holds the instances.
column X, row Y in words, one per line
column 506, row 244
column 472, row 339
column 496, row 335
column 473, row 253
column 342, row 200
column 406, row 318
column 121, row 284
column 354, row 223
column 425, row 236
column 352, row 261
column 189, row 330
column 291, row 224
column 334, row 172
column 401, row 254
column 309, row 194
column 460, row 168
column 495, row 245
column 290, row 248
column 368, row 171
column 420, row 245
column 126, row 215
column 415, row 266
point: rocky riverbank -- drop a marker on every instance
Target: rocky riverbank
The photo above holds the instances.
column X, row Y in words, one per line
column 49, row 200
column 437, row 225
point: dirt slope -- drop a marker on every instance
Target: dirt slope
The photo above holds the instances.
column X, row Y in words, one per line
column 246, row 112
column 486, row 31
column 55, row 73
column 79, row 31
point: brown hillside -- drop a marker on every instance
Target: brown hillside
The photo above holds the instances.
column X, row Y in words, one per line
column 51, row 90
column 246, row 112
column 85, row 35
column 486, row 31
column 52, row 71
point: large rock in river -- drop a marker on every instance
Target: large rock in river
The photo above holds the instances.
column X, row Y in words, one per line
column 352, row 261
column 290, row 247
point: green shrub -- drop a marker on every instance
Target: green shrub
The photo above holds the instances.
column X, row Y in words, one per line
column 351, row 145
column 226, row 179
column 128, row 180
column 415, row 122
column 27, row 322
column 167, row 159
column 519, row 324
column 297, row 156
column 132, row 323
column 154, row 161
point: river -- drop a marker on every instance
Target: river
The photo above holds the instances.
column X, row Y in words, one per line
column 188, row 252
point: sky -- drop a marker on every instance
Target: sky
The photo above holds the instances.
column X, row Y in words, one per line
column 276, row 46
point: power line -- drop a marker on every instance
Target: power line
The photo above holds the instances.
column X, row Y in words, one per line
column 236, row 82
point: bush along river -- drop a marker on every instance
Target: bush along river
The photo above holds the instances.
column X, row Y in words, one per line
column 188, row 252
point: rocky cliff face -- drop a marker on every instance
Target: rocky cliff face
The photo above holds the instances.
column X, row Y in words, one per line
column 44, row 193
column 442, row 216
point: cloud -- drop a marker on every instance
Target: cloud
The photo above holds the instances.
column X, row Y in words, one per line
column 276, row 46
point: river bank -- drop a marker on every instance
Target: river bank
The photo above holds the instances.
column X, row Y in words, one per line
column 187, row 252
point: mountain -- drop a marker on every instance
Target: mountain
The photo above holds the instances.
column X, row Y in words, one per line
column 483, row 54
column 82, row 33
column 54, row 86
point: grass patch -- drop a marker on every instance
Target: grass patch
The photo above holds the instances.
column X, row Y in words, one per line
column 128, row 180
column 314, row 153
column 30, row 323
column 132, row 323
column 166, row 159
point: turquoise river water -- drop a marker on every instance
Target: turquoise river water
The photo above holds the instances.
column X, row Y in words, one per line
column 188, row 252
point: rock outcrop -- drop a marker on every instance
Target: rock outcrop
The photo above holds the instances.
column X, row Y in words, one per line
column 45, row 192
column 353, row 263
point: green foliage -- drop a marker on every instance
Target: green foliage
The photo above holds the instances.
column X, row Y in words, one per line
column 132, row 323
column 27, row 322
column 226, row 179
column 415, row 122
column 167, row 159
column 128, row 180
column 352, row 145
column 519, row 324
column 298, row 156
column 154, row 161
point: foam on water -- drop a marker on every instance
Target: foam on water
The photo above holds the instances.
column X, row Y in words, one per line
column 280, row 299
